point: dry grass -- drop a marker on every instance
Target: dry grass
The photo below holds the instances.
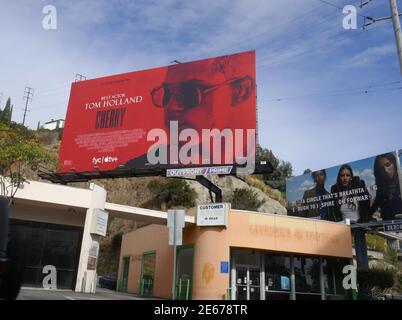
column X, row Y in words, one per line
column 257, row 183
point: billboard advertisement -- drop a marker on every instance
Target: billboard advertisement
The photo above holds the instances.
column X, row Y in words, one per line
column 188, row 114
column 362, row 191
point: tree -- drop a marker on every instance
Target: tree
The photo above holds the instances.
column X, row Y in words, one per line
column 282, row 169
column 6, row 114
column 306, row 171
column 369, row 279
column 175, row 192
column 20, row 151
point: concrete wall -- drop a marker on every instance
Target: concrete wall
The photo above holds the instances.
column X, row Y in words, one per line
column 47, row 214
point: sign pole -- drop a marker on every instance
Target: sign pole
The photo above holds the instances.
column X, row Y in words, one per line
column 174, row 257
column 176, row 224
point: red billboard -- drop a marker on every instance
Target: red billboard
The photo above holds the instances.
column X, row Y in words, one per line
column 168, row 116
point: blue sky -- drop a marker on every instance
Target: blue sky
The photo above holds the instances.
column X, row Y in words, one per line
column 305, row 58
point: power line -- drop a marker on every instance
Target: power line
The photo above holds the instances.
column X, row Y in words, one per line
column 80, row 77
column 343, row 92
column 336, row 6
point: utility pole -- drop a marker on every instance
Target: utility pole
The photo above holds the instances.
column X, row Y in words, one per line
column 396, row 23
column 28, row 94
column 80, row 77
column 397, row 29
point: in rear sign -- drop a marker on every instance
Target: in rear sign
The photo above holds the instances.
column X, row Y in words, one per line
column 215, row 214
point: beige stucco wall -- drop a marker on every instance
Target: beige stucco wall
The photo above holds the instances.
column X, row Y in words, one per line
column 149, row 238
column 212, row 245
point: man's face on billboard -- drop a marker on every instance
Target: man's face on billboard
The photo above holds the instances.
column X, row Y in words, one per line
column 189, row 100
column 202, row 95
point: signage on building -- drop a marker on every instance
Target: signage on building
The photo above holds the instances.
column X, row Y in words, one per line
column 93, row 254
column 214, row 214
column 393, row 227
column 99, row 222
column 94, row 249
column 224, row 266
column 92, row 261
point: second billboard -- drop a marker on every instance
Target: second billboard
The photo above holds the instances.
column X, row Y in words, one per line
column 361, row 191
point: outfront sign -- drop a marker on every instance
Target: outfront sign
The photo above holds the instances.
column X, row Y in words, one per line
column 215, row 214
column 202, row 171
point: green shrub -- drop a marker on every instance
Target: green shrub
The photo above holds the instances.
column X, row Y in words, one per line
column 246, row 199
column 376, row 242
column 175, row 192
column 368, row 279
column 391, row 255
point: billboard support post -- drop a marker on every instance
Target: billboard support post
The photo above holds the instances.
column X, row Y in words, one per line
column 211, row 188
column 174, row 272
column 361, row 248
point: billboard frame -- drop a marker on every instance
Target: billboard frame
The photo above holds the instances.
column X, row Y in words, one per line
column 263, row 167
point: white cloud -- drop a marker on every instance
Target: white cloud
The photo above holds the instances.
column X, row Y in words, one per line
column 372, row 55
column 306, row 185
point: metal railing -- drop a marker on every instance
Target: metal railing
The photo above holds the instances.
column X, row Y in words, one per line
column 183, row 289
column 147, row 286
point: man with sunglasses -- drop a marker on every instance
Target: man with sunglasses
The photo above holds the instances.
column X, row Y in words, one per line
column 207, row 94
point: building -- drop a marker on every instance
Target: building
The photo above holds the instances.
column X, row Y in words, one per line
column 256, row 256
column 61, row 226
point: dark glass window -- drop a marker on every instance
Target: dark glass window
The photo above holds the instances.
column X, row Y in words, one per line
column 48, row 244
column 307, row 275
column 328, row 276
column 277, row 273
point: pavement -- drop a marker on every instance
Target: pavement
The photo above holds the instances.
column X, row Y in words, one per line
column 101, row 294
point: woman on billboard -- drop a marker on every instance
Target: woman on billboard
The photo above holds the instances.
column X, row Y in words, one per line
column 352, row 200
column 388, row 195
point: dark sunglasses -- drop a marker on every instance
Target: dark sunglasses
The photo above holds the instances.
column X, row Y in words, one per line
column 189, row 94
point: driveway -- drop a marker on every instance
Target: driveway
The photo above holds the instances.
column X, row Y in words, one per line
column 101, row 294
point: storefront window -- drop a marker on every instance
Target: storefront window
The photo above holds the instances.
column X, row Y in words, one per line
column 307, row 275
column 329, row 279
column 338, row 267
column 277, row 277
column 247, row 257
